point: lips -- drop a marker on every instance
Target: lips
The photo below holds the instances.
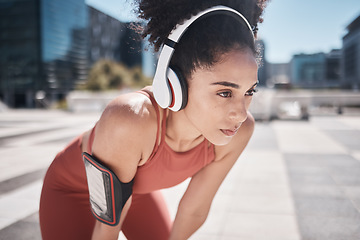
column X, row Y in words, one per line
column 228, row 132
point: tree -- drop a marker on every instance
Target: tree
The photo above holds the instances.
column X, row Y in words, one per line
column 107, row 75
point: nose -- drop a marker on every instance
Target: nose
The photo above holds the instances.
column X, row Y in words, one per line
column 238, row 113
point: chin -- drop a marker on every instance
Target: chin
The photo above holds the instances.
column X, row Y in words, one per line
column 220, row 141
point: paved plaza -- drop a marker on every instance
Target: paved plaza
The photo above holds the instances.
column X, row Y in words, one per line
column 296, row 179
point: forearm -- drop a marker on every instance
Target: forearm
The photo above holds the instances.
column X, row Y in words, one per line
column 185, row 225
column 103, row 231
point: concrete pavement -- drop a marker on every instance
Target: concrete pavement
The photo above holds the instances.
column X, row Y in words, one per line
column 296, row 179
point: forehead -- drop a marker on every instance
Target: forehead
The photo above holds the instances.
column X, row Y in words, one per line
column 237, row 66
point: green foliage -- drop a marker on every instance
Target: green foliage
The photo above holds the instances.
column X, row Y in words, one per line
column 61, row 104
column 109, row 75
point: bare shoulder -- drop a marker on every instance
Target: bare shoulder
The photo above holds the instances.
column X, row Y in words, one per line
column 125, row 133
column 239, row 141
column 132, row 111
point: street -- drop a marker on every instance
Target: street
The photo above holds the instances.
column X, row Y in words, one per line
column 295, row 180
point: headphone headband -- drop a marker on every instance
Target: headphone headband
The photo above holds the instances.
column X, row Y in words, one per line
column 162, row 88
column 180, row 29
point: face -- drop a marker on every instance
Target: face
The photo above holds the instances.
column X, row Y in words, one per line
column 219, row 96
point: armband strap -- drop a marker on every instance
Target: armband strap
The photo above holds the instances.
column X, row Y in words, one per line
column 108, row 194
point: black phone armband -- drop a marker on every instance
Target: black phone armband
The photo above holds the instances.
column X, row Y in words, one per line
column 108, row 194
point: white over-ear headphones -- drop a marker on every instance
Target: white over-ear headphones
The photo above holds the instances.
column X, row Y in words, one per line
column 169, row 87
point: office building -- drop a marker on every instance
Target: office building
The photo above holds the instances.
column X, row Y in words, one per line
column 262, row 71
column 43, row 47
column 350, row 60
column 114, row 40
column 333, row 69
column 48, row 46
column 308, row 70
column 279, row 75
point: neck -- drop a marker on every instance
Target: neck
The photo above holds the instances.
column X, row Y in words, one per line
column 181, row 134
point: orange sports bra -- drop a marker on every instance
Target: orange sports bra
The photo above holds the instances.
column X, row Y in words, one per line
column 165, row 167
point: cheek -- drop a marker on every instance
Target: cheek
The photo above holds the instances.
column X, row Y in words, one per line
column 201, row 111
column 248, row 102
column 198, row 100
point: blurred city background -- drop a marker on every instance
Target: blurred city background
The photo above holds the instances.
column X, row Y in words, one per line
column 62, row 61
column 55, row 54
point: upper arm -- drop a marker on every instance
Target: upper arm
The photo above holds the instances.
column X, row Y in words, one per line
column 123, row 133
column 204, row 184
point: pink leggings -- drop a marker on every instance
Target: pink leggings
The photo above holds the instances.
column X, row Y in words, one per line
column 65, row 210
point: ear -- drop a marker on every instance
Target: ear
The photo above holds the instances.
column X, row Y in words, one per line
column 179, row 88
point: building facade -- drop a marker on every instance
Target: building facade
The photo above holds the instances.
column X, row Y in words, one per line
column 43, row 46
column 262, row 71
column 118, row 41
column 279, row 75
column 333, row 69
column 64, row 45
column 105, row 34
column 308, row 70
column 48, row 46
column 20, row 39
column 350, row 59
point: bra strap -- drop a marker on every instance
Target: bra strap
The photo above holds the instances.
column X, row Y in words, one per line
column 153, row 102
column 163, row 126
column 206, row 151
column 91, row 139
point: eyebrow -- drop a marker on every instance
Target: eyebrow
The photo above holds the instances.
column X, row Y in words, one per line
column 233, row 85
column 227, row 84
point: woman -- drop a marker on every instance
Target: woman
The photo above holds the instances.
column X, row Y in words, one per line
column 154, row 148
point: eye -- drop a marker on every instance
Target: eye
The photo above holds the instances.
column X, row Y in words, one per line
column 251, row 92
column 226, row 94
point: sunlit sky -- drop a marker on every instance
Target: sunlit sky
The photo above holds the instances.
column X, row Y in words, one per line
column 290, row 26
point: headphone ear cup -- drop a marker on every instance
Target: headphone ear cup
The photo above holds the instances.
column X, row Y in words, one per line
column 179, row 89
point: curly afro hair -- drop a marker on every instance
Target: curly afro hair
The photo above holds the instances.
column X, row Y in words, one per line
column 206, row 40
